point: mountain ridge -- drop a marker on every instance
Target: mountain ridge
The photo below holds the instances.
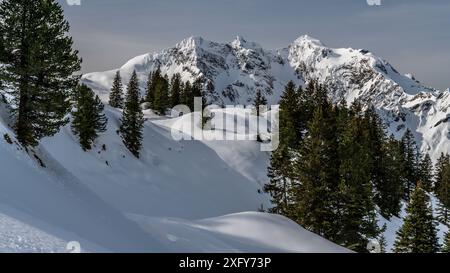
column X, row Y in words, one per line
column 233, row 72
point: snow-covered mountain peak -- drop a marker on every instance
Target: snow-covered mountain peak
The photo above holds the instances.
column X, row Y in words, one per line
column 240, row 42
column 308, row 41
column 233, row 72
column 191, row 43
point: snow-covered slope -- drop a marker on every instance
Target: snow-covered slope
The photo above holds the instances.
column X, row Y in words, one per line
column 232, row 73
column 111, row 202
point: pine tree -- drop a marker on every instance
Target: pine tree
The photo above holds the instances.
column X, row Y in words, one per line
column 259, row 102
column 150, row 91
column 175, row 90
column 290, row 133
column 196, row 92
column 316, row 190
column 446, row 247
column 358, row 214
column 160, row 94
column 133, row 118
column 443, row 194
column 88, row 119
column 39, row 66
column 389, row 191
column 116, row 95
column 187, row 95
column 426, row 172
column 279, row 187
column 442, row 161
column 411, row 161
column 418, row 233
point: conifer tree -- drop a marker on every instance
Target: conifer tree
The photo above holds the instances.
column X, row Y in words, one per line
column 175, row 90
column 116, row 95
column 443, row 194
column 88, row 118
column 150, row 91
column 389, row 191
column 426, row 172
column 161, row 94
column 279, row 187
column 411, row 161
column 442, row 161
column 259, row 102
column 290, row 133
column 358, row 214
column 187, row 95
column 196, row 92
column 39, row 66
column 418, row 233
column 316, row 193
column 133, row 118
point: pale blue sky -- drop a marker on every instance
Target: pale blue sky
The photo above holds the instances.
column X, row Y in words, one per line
column 414, row 35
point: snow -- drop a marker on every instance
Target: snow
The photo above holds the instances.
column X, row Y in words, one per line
column 239, row 68
column 109, row 201
column 243, row 232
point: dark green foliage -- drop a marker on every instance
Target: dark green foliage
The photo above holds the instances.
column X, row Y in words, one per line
column 418, row 233
column 443, row 190
column 358, row 214
column 88, row 118
column 151, row 86
column 389, row 191
column 335, row 166
column 426, row 172
column 280, row 174
column 259, row 102
column 116, row 95
column 440, row 165
column 133, row 118
column 39, row 66
column 290, row 133
column 176, row 87
column 411, row 161
column 317, row 168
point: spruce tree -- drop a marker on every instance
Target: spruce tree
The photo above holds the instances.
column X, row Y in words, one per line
column 187, row 95
column 418, row 233
column 259, row 102
column 443, row 194
column 317, row 169
column 88, row 118
column 150, row 91
column 358, row 214
column 160, row 94
column 39, row 66
column 280, row 185
column 176, row 86
column 133, row 118
column 442, row 161
column 116, row 95
column 389, row 191
column 426, row 172
column 290, row 133
column 411, row 161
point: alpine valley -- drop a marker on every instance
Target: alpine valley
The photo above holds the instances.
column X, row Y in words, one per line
column 196, row 196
